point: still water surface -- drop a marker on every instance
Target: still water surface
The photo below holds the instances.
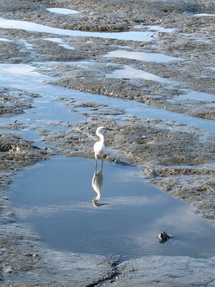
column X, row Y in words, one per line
column 123, row 217
column 22, row 75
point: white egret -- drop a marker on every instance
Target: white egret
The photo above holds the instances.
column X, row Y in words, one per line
column 99, row 147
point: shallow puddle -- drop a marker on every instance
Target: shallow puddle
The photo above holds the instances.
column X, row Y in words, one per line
column 4, row 40
column 63, row 11
column 58, row 199
column 125, row 36
column 141, row 56
column 60, row 43
column 204, row 15
column 131, row 73
column 195, row 95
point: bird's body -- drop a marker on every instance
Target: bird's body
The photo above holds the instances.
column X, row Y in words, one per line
column 99, row 146
column 99, row 149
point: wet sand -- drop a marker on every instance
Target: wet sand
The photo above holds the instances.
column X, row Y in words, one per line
column 177, row 157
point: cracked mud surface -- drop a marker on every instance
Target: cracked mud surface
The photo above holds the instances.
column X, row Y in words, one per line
column 176, row 157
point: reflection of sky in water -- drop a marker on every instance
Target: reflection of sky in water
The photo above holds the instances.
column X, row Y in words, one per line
column 131, row 73
column 63, row 11
column 33, row 27
column 47, row 112
column 36, row 84
column 60, row 42
column 56, row 197
column 4, row 40
column 20, row 69
column 204, row 15
column 194, row 95
column 141, row 56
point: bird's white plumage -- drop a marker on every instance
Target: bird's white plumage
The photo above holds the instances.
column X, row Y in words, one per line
column 99, row 147
column 97, row 182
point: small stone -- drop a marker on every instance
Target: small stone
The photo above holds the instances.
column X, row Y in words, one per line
column 163, row 236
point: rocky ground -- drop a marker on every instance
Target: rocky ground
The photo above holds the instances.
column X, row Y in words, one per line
column 177, row 157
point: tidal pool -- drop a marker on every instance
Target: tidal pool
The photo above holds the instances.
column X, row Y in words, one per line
column 204, row 15
column 132, row 73
column 195, row 95
column 63, row 11
column 122, row 216
column 141, row 56
column 60, row 43
column 125, row 36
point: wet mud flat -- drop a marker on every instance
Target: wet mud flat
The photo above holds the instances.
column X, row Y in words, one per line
column 177, row 157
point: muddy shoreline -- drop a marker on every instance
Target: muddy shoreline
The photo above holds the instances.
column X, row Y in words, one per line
column 177, row 157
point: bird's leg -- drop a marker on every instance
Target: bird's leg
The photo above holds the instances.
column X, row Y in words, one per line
column 96, row 166
column 102, row 163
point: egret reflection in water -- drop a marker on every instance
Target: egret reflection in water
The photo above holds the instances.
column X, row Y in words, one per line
column 97, row 182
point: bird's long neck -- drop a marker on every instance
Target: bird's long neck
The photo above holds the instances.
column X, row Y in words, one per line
column 101, row 137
